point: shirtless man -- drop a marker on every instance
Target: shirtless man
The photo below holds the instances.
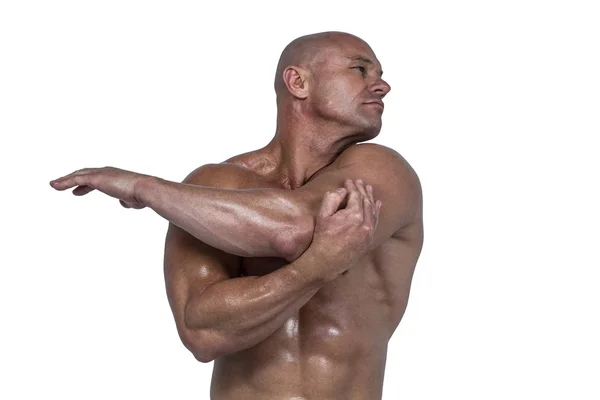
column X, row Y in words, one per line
column 290, row 266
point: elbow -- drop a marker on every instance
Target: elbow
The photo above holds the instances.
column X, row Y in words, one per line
column 295, row 238
column 204, row 346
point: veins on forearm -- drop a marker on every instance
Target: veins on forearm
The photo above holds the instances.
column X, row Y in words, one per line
column 244, row 222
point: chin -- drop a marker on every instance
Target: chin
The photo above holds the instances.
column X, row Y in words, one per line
column 370, row 128
column 361, row 128
column 363, row 135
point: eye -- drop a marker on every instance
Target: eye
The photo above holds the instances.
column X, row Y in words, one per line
column 362, row 70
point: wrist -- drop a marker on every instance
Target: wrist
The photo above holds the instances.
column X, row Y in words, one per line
column 146, row 188
column 314, row 268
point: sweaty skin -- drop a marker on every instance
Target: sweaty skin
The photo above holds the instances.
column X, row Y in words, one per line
column 290, row 266
column 335, row 345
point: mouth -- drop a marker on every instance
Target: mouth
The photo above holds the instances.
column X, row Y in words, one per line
column 377, row 103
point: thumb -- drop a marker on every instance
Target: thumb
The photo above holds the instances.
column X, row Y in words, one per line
column 127, row 204
column 331, row 202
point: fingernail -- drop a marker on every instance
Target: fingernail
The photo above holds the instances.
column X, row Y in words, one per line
column 360, row 181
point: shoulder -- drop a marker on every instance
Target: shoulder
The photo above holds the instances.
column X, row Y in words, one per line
column 224, row 175
column 394, row 181
column 382, row 161
column 372, row 153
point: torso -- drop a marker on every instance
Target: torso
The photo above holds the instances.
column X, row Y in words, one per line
column 335, row 346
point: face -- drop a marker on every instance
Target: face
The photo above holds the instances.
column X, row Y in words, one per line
column 347, row 88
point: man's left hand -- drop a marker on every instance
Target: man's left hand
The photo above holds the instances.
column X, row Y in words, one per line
column 117, row 183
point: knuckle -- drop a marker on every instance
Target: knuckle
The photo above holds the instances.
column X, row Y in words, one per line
column 356, row 216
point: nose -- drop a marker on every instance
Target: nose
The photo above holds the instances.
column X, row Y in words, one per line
column 380, row 87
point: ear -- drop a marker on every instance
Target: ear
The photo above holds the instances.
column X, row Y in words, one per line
column 296, row 81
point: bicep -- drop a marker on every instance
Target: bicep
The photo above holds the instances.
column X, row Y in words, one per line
column 190, row 266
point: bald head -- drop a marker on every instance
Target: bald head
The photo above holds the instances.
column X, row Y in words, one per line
column 307, row 51
column 331, row 83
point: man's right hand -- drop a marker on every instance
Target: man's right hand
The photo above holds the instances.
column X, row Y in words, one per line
column 343, row 235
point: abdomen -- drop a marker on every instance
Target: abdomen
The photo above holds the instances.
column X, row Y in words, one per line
column 331, row 349
column 301, row 372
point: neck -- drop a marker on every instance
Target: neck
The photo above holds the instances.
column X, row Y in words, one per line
column 301, row 148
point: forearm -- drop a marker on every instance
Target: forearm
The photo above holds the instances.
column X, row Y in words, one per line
column 237, row 314
column 245, row 222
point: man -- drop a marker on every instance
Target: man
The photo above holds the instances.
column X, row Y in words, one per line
column 280, row 264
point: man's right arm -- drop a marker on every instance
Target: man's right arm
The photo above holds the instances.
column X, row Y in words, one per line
column 281, row 221
column 217, row 313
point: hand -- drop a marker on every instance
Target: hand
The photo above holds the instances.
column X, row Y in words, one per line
column 342, row 236
column 118, row 183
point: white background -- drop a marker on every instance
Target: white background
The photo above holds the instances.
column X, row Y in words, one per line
column 495, row 104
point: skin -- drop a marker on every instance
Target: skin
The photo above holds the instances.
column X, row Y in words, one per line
column 290, row 266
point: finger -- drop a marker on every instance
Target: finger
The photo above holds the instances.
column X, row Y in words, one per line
column 331, row 202
column 82, row 190
column 71, row 181
column 370, row 192
column 360, row 185
column 354, row 197
column 131, row 205
column 368, row 213
column 377, row 212
column 74, row 173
